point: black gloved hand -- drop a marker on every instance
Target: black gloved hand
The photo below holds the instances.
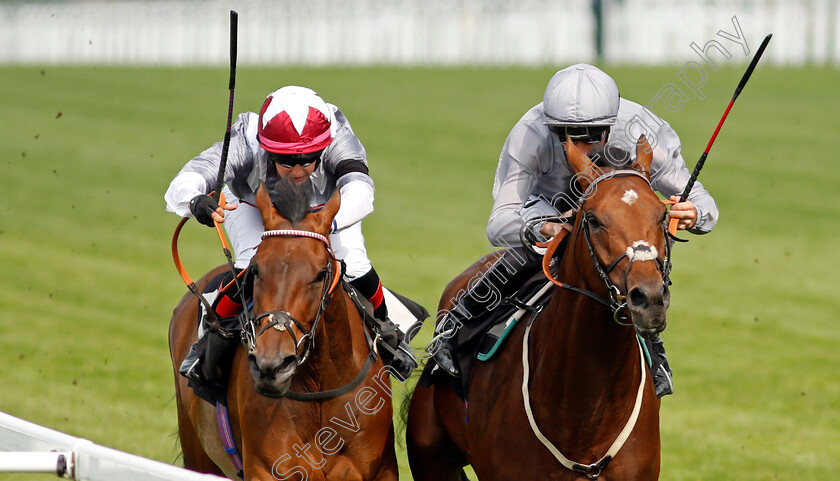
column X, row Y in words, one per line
column 202, row 207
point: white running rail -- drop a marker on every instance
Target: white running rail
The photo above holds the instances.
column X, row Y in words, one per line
column 29, row 448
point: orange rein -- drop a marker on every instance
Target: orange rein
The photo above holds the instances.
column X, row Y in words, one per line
column 550, row 249
column 179, row 266
column 551, row 246
column 674, row 222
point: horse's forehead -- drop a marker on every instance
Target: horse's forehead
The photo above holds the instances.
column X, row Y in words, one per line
column 623, row 191
column 289, row 251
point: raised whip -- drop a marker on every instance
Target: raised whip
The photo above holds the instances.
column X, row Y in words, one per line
column 741, row 85
column 220, row 180
column 672, row 227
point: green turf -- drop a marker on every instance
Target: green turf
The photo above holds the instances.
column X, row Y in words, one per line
column 88, row 283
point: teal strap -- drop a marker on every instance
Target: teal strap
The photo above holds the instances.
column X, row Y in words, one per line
column 483, row 356
column 645, row 350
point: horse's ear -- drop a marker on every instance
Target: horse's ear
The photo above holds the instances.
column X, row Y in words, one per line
column 644, row 155
column 580, row 163
column 271, row 218
column 324, row 218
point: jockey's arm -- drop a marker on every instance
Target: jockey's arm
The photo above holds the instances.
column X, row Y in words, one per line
column 198, row 176
column 357, row 193
column 505, row 220
column 516, row 176
column 669, row 175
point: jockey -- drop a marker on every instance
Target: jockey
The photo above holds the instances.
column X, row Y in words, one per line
column 581, row 103
column 307, row 139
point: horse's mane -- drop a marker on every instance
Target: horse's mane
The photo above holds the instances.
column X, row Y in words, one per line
column 291, row 200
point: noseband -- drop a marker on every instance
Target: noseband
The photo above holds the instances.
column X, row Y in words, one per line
column 281, row 320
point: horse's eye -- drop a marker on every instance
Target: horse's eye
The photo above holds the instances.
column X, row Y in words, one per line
column 322, row 275
column 255, row 271
column 593, row 221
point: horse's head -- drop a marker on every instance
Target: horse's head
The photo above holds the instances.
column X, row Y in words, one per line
column 621, row 223
column 294, row 274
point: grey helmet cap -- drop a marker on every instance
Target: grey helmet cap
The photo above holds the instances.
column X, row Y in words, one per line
column 580, row 96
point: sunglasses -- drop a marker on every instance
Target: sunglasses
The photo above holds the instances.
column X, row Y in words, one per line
column 288, row 161
column 589, row 135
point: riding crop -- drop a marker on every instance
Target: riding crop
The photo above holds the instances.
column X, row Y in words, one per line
column 217, row 193
column 672, row 227
column 220, row 179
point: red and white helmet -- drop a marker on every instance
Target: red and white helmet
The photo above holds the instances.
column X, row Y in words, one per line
column 295, row 120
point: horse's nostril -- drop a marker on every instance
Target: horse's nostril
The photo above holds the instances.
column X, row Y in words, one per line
column 637, row 298
column 286, row 363
column 271, row 368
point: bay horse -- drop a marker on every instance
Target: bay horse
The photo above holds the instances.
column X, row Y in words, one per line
column 570, row 396
column 307, row 397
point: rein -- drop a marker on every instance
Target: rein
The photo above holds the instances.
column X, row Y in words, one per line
column 212, row 318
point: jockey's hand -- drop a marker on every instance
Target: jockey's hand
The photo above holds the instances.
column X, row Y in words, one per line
column 551, row 229
column 685, row 211
column 206, row 210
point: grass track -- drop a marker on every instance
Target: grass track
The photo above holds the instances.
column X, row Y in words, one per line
column 88, row 283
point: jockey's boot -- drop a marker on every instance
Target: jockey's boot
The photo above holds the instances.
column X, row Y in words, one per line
column 443, row 344
column 191, row 365
column 220, row 347
column 395, row 351
column 663, row 379
column 507, row 274
column 208, row 357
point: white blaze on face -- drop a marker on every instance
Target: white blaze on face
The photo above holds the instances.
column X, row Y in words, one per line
column 629, row 197
column 642, row 251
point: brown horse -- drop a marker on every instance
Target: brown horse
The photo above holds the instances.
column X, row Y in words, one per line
column 307, row 338
column 588, row 402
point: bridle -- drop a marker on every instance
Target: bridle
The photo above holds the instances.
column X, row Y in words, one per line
column 617, row 301
column 281, row 320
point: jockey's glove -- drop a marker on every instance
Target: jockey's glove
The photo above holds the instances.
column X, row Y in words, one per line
column 202, row 207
